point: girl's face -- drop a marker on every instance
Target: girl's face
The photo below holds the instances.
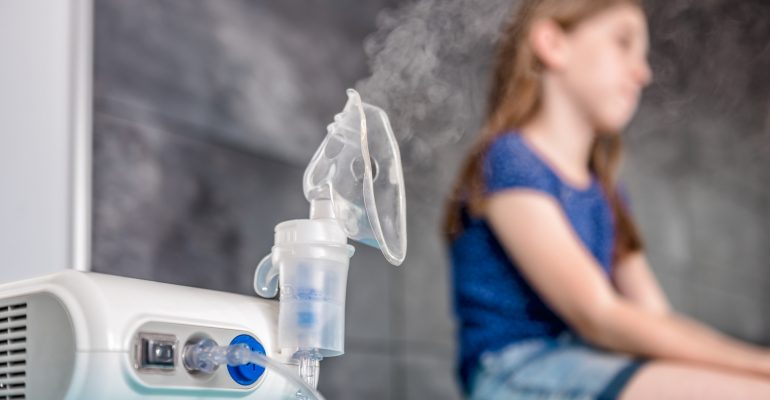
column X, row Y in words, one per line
column 606, row 65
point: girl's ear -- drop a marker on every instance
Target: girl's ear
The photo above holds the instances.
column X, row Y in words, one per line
column 549, row 43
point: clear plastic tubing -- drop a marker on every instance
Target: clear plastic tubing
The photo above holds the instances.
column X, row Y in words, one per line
column 309, row 366
column 205, row 356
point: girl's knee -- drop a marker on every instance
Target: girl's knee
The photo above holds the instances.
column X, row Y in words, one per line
column 663, row 379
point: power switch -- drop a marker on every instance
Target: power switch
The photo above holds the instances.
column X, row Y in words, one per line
column 156, row 351
column 159, row 353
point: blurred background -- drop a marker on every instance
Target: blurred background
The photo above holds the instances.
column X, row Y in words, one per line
column 201, row 115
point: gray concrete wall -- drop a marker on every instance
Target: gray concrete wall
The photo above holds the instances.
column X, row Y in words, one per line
column 206, row 113
column 699, row 161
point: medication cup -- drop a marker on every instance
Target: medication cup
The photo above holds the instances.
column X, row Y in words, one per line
column 312, row 257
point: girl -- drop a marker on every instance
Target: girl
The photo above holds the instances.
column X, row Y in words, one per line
column 554, row 296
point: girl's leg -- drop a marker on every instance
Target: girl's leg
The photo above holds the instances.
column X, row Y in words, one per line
column 669, row 380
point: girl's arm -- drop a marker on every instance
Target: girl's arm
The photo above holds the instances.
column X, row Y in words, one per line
column 634, row 280
column 535, row 232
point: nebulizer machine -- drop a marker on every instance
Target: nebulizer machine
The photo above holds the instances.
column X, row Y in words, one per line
column 354, row 184
column 84, row 335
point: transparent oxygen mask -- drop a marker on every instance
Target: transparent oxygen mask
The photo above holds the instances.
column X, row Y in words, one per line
column 358, row 168
column 355, row 187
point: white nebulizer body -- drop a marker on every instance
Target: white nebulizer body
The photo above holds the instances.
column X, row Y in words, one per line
column 355, row 187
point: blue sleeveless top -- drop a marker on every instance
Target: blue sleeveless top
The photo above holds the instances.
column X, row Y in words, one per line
column 493, row 303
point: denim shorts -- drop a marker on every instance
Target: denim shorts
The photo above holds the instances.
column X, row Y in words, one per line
column 561, row 368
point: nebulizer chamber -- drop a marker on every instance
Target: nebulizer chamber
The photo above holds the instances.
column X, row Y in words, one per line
column 354, row 184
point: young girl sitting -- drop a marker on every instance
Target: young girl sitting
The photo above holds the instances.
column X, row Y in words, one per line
column 554, row 296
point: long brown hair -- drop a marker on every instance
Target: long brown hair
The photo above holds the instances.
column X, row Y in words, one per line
column 515, row 98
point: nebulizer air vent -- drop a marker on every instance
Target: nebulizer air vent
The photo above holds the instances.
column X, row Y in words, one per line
column 355, row 186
